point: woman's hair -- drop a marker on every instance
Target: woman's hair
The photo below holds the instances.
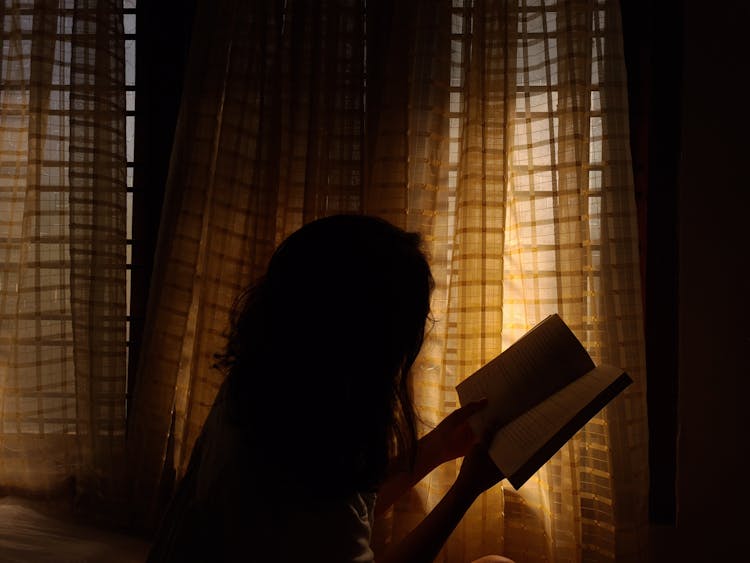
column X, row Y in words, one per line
column 319, row 351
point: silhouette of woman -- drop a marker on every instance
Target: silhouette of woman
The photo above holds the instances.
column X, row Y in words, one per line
column 314, row 421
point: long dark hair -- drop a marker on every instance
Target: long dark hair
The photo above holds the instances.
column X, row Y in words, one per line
column 319, row 352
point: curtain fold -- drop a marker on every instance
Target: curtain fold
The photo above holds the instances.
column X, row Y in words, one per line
column 62, row 248
column 496, row 129
column 218, row 211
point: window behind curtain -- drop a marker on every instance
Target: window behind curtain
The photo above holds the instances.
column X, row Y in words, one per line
column 129, row 27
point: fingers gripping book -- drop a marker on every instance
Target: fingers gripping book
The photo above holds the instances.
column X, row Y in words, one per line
column 540, row 392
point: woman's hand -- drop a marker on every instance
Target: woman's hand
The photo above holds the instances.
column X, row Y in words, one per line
column 478, row 472
column 451, row 439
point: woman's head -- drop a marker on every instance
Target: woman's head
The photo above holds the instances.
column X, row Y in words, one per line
column 321, row 346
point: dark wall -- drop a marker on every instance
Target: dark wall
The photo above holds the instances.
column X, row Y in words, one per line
column 687, row 76
column 714, row 341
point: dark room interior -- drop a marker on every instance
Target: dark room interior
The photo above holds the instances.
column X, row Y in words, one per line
column 687, row 150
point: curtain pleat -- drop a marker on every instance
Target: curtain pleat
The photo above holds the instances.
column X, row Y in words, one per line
column 496, row 129
column 218, row 211
column 487, row 83
column 619, row 299
column 97, row 178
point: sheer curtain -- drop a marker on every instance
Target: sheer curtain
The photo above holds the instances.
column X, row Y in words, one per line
column 62, row 247
column 496, row 129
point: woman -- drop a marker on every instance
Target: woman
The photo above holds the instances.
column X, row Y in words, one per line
column 315, row 419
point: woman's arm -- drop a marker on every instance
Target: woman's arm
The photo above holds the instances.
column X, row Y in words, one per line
column 450, row 439
column 478, row 473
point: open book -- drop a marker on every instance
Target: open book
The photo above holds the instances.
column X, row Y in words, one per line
column 540, row 392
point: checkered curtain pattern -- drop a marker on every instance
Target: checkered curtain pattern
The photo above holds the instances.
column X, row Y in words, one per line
column 502, row 137
column 62, row 246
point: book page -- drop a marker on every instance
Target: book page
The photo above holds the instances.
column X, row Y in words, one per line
column 523, row 438
column 545, row 359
